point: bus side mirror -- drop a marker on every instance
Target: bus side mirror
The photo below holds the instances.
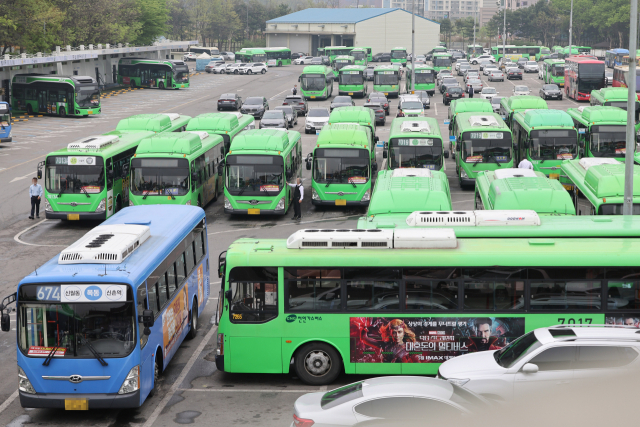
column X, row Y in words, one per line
column 194, row 177
column 221, row 168
column 147, row 320
column 39, row 173
column 125, row 170
column 228, row 295
column 110, row 173
column 5, row 322
column 299, row 78
column 374, row 167
column 458, row 147
column 446, row 154
column 376, row 139
column 308, row 161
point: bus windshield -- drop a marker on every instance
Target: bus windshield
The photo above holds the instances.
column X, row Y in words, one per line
column 608, row 141
column 313, row 82
column 342, row 63
column 486, row 147
column 558, row 70
column 74, row 174
column 261, row 57
column 442, row 61
column 181, row 74
column 254, row 175
column 88, row 96
column 425, row 77
column 341, row 165
column 159, row 177
column 398, row 54
column 553, row 144
column 351, row 79
column 385, row 79
column 415, row 153
column 358, row 56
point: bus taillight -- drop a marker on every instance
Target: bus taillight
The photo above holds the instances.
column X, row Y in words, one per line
column 220, row 349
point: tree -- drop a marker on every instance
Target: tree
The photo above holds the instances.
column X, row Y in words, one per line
column 154, row 15
column 445, row 28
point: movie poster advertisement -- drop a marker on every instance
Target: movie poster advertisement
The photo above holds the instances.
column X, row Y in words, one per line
column 174, row 320
column 428, row 339
column 623, row 319
column 201, row 284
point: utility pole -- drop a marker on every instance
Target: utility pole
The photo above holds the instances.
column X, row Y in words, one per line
column 571, row 28
column 413, row 45
column 504, row 27
column 474, row 27
column 627, row 205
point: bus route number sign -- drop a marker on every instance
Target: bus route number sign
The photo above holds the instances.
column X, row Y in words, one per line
column 415, row 142
column 486, row 135
column 48, row 293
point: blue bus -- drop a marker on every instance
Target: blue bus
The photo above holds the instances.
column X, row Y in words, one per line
column 5, row 122
column 615, row 57
column 98, row 324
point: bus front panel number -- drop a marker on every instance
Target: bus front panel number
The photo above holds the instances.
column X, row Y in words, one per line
column 572, row 321
column 48, row 293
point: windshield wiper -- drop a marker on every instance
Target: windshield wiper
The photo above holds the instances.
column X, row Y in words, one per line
column 145, row 194
column 476, row 163
column 496, row 159
column 170, row 193
column 329, row 182
column 350, row 181
column 93, row 351
column 84, row 190
column 50, row 355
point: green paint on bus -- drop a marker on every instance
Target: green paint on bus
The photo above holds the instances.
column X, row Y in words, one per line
column 251, row 55
column 602, row 131
column 553, row 71
column 441, row 61
column 425, row 78
column 316, row 82
column 399, row 55
column 465, row 105
column 360, row 56
column 351, row 81
column 512, row 104
column 386, row 79
column 415, row 142
column 161, row 74
column 157, row 123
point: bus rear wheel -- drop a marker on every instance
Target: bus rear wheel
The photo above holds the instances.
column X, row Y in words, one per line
column 161, row 85
column 194, row 322
column 133, row 84
column 62, row 112
column 317, row 363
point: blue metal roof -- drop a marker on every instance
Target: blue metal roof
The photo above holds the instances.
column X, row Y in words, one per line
column 336, row 16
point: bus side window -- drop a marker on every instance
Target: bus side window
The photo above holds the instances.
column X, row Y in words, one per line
column 152, row 293
column 181, row 274
column 189, row 255
column 171, row 280
column 162, row 289
column 141, row 299
column 254, row 294
column 109, row 167
column 199, row 244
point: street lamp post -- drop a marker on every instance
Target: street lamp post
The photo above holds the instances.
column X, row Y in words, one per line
column 413, row 45
column 504, row 27
column 571, row 28
column 627, row 205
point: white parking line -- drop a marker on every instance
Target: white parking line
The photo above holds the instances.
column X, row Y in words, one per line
column 17, row 237
column 248, row 390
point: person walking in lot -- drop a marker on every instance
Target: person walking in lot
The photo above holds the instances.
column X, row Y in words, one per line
column 470, row 91
column 35, row 193
column 294, row 90
column 525, row 164
column 298, row 195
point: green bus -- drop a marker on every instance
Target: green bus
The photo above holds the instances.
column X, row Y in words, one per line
column 465, row 105
column 54, row 94
column 341, row 61
column 473, row 51
column 386, row 79
column 316, row 82
column 553, row 72
column 602, row 131
column 251, row 55
column 153, row 73
column 557, row 49
column 352, row 81
column 227, row 125
column 157, row 123
column 601, row 181
column 89, row 179
column 177, row 169
column 258, row 167
column 482, row 142
column 522, row 189
column 441, row 61
column 277, row 56
column 613, row 97
column 369, row 53
column 355, row 114
column 425, row 78
column 542, row 51
column 546, row 138
column 360, row 56
column 512, row 104
column 343, row 163
column 400, row 192
column 576, row 50
column 399, row 55
column 415, row 142
column 333, row 51
column 312, row 309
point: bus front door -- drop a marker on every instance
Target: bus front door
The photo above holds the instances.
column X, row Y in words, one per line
column 42, row 101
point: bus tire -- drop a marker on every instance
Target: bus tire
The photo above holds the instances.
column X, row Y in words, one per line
column 133, row 84
column 194, row 321
column 62, row 112
column 29, row 109
column 118, row 205
column 156, row 378
column 317, row 363
column 161, row 85
column 199, row 202
column 215, row 191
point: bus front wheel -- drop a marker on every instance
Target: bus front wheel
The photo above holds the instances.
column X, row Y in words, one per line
column 317, row 363
column 194, row 321
column 156, row 378
column 62, row 112
column 161, row 85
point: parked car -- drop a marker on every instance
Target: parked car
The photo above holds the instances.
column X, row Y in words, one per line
column 290, row 114
column 231, row 101
column 315, row 120
column 476, row 84
column 521, row 90
column 220, row 68
column 189, row 56
column 316, row 60
column 233, row 68
column 381, row 115
column 495, row 104
column 341, row 101
column 521, row 62
column 381, row 57
column 550, row 91
column 514, row 73
column 382, row 99
column 505, row 63
column 297, row 102
column 303, row 60
column 452, row 93
column 448, row 82
column 484, row 63
column 488, row 92
column 212, row 65
column 463, row 68
column 608, row 75
column 274, row 119
column 410, row 106
column 255, row 106
column 471, row 74
column 459, row 62
column 423, row 96
column 253, row 68
column 477, row 59
column 441, row 75
column 488, row 69
column 530, row 67
column 296, row 55
column 368, row 72
column 496, row 75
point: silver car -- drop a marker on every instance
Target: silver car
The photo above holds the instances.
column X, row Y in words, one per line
column 487, row 70
column 531, row 67
column 496, row 76
column 274, row 119
column 476, row 84
column 521, row 90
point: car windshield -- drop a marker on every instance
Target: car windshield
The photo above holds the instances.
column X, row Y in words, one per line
column 509, row 355
column 488, row 90
column 465, row 67
column 74, row 174
column 159, row 177
column 532, row 63
column 496, row 100
column 88, row 96
column 521, row 89
column 550, row 87
column 411, row 105
column 554, row 144
column 228, row 96
column 287, row 110
column 416, row 153
column 608, row 141
column 108, row 328
column 253, row 101
column 342, row 100
column 313, row 82
column 486, row 147
column 254, row 175
column 341, row 165
column 454, row 89
column 274, row 114
column 318, row 112
column 448, row 80
column 475, row 81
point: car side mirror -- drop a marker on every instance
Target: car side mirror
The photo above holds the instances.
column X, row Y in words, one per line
column 446, row 154
column 39, row 174
column 5, row 322
column 530, row 368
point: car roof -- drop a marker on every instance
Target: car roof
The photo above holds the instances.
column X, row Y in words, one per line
column 404, row 385
column 576, row 334
column 284, row 107
column 228, row 95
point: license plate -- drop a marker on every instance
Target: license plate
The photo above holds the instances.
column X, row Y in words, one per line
column 76, row 404
column 89, row 112
column 341, row 203
column 350, row 93
column 181, row 85
column 73, row 217
column 317, row 131
column 312, row 97
column 554, row 176
column 386, row 93
column 568, row 187
column 253, row 211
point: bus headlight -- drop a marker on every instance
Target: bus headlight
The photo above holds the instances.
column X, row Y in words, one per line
column 47, row 206
column 367, row 196
column 132, row 382
column 220, row 348
column 463, row 174
column 227, row 204
column 314, row 194
column 101, row 206
column 188, row 203
column 131, row 202
column 23, row 382
column 280, row 205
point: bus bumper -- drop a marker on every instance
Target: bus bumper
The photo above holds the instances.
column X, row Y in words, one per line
column 333, row 203
column 246, row 212
column 96, row 400
column 82, row 216
column 220, row 363
column 468, row 182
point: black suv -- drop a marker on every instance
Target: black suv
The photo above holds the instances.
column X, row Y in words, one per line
column 381, row 57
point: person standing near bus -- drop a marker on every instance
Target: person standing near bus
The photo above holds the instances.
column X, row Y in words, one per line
column 294, row 91
column 525, row 164
column 470, row 90
column 35, row 193
column 298, row 195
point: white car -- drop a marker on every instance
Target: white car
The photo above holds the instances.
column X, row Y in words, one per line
column 189, row 56
column 253, row 68
column 315, row 120
column 488, row 92
column 233, row 68
column 487, row 70
column 541, row 73
column 303, row 60
column 477, row 59
column 496, row 75
column 460, row 61
column 387, row 401
column 530, row 67
column 521, row 90
column 540, row 360
column 410, row 106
